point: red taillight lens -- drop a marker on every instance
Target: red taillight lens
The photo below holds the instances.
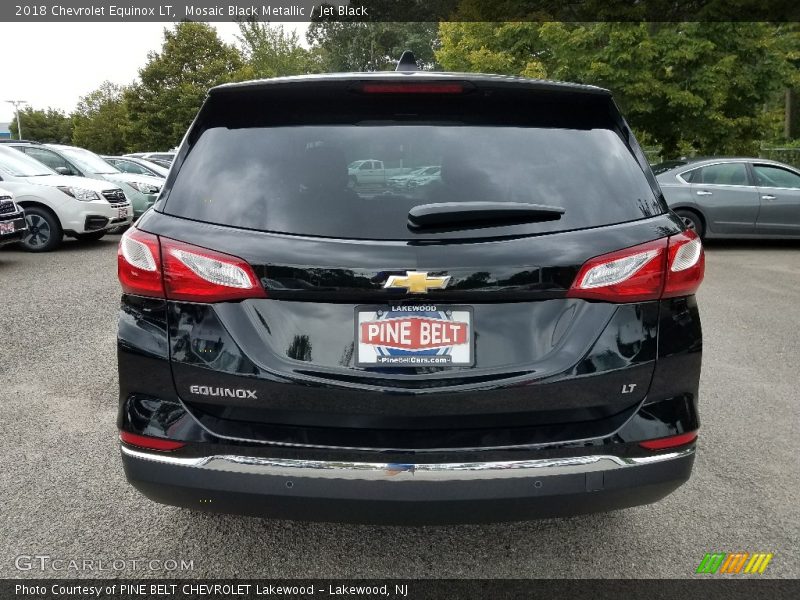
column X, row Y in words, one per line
column 200, row 275
column 166, row 268
column 663, row 268
column 687, row 265
column 139, row 264
column 672, row 441
column 149, row 443
column 412, row 88
column 635, row 274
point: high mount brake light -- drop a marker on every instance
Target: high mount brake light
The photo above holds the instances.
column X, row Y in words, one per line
column 663, row 268
column 412, row 88
column 166, row 268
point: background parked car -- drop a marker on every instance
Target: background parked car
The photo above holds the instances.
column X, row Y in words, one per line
column 734, row 197
column 12, row 219
column 137, row 166
column 401, row 181
column 366, row 172
column 57, row 205
column 161, row 156
column 141, row 190
column 428, row 175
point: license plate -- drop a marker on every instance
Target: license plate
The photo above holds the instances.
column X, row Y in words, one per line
column 419, row 335
column 122, row 212
column 7, row 228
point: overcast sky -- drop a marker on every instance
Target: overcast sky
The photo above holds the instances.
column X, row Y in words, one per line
column 54, row 64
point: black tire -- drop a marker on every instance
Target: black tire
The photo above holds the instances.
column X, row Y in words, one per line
column 692, row 221
column 92, row 236
column 353, row 181
column 44, row 230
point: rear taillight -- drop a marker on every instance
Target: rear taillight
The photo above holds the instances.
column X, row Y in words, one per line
column 149, row 443
column 687, row 265
column 662, row 268
column 139, row 264
column 166, row 268
column 673, row 441
column 200, row 275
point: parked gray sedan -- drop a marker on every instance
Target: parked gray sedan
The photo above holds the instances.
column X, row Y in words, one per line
column 733, row 197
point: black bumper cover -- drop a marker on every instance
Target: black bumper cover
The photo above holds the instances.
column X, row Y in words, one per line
column 407, row 502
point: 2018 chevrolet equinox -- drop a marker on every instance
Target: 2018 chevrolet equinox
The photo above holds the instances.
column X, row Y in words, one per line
column 518, row 338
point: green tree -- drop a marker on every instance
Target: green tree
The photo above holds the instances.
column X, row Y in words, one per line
column 346, row 46
column 696, row 87
column 101, row 120
column 49, row 125
column 174, row 83
column 271, row 51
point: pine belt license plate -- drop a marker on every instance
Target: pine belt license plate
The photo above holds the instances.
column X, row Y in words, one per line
column 418, row 335
column 7, row 227
column 122, row 212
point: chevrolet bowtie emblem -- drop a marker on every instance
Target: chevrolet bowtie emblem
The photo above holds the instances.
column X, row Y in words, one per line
column 416, row 282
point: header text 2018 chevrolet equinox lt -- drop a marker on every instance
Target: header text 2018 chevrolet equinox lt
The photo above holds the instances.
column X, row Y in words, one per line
column 517, row 339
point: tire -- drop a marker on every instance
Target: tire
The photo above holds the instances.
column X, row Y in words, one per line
column 92, row 236
column 692, row 221
column 353, row 181
column 44, row 230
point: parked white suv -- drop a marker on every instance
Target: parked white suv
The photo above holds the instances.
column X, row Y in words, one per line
column 57, row 205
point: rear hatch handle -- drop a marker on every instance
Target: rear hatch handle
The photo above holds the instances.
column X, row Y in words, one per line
column 471, row 215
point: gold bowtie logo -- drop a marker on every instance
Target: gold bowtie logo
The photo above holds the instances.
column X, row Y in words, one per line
column 416, row 282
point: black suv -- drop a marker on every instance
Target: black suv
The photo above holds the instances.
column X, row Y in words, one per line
column 518, row 338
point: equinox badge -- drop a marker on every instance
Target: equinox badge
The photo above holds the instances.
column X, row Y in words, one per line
column 204, row 390
column 417, row 282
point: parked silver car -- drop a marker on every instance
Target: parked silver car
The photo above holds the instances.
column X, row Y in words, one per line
column 733, row 197
column 137, row 166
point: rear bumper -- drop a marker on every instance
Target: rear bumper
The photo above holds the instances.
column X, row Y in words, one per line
column 436, row 493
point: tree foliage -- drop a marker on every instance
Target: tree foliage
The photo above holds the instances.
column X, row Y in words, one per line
column 271, row 51
column 100, row 120
column 697, row 87
column 49, row 125
column 346, row 46
column 174, row 82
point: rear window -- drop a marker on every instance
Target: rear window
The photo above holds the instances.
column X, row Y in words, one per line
column 361, row 180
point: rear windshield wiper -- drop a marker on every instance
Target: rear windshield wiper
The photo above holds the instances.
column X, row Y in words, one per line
column 448, row 216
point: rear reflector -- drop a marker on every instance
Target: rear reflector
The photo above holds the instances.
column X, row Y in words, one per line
column 166, row 268
column 663, row 268
column 412, row 88
column 672, row 441
column 149, row 443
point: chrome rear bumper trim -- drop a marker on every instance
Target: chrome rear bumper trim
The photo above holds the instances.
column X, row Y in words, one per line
column 405, row 472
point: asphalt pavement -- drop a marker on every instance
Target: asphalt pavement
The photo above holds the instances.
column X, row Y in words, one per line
column 63, row 493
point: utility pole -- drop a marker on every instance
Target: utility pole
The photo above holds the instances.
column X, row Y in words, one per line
column 16, row 104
